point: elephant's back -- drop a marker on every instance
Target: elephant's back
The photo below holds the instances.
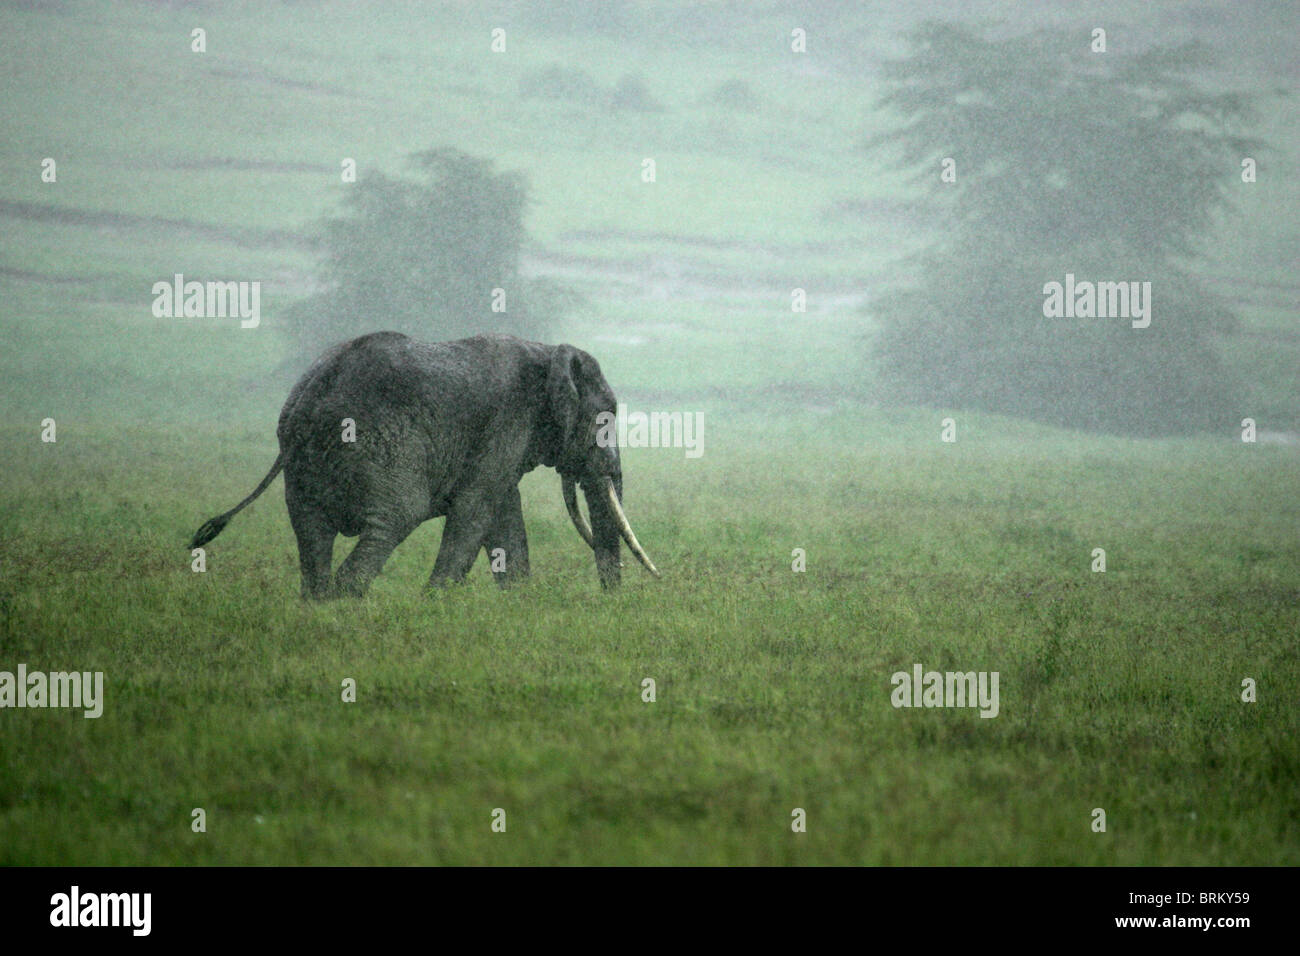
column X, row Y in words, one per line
column 362, row 425
column 341, row 375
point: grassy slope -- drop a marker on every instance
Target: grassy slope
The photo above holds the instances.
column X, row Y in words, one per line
column 1118, row 690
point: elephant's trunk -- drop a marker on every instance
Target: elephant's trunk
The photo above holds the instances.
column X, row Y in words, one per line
column 604, row 536
column 609, row 526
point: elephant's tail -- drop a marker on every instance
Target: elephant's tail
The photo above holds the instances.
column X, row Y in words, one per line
column 213, row 527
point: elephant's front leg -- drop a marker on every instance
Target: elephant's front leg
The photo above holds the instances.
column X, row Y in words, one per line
column 470, row 518
column 506, row 543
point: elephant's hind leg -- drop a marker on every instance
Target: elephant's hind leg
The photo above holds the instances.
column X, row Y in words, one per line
column 315, row 537
column 508, row 539
column 370, row 554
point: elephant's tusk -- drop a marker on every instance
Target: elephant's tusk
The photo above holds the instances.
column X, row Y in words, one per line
column 579, row 522
column 626, row 529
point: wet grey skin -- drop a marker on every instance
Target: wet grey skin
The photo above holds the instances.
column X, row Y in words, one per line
column 441, row 429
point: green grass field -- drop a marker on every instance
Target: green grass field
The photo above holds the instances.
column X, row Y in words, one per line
column 1120, row 690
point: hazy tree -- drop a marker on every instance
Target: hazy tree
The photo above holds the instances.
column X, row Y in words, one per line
column 430, row 256
column 1106, row 166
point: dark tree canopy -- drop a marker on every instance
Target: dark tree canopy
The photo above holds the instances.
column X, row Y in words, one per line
column 1106, row 166
column 424, row 256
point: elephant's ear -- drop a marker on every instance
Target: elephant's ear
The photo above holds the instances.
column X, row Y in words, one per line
column 564, row 398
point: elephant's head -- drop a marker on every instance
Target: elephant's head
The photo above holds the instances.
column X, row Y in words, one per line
column 584, row 452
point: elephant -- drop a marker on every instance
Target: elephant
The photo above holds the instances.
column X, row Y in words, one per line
column 384, row 432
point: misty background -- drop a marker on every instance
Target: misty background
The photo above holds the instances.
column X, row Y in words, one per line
column 521, row 168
